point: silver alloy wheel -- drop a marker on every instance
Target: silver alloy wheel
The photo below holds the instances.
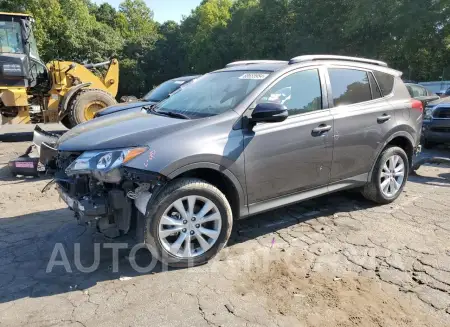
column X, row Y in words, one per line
column 392, row 175
column 190, row 226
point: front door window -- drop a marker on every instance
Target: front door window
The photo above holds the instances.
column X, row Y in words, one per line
column 299, row 92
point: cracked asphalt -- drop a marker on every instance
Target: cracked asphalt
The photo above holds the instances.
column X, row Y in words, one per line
column 337, row 260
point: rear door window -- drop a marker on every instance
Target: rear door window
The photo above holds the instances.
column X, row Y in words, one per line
column 349, row 86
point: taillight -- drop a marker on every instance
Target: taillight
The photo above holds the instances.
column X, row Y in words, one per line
column 416, row 104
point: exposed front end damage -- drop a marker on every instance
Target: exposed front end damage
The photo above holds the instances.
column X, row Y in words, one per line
column 114, row 201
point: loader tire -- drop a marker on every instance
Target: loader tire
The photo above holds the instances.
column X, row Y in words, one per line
column 66, row 122
column 86, row 103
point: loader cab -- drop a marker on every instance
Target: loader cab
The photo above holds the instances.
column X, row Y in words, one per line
column 20, row 64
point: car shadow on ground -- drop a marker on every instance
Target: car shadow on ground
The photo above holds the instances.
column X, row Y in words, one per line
column 27, row 243
column 442, row 179
column 6, row 176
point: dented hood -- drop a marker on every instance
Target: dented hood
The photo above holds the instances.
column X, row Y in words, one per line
column 119, row 130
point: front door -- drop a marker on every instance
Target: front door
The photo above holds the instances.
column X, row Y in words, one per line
column 294, row 155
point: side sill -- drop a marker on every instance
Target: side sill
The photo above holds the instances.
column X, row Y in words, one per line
column 272, row 204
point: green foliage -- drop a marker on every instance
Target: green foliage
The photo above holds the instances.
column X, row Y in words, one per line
column 411, row 35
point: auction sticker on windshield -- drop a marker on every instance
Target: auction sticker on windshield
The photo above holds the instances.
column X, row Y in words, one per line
column 254, row 76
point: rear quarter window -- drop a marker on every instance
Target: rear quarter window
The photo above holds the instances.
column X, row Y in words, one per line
column 376, row 92
column 385, row 81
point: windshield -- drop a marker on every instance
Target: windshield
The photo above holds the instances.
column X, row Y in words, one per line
column 10, row 37
column 163, row 91
column 213, row 94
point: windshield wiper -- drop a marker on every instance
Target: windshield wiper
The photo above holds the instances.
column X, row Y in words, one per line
column 172, row 114
column 151, row 108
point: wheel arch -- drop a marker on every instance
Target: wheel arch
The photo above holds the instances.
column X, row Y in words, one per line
column 221, row 178
column 401, row 139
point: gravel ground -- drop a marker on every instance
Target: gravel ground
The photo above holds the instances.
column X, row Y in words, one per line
column 333, row 261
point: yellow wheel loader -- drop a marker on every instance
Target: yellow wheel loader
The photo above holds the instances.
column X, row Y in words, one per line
column 61, row 91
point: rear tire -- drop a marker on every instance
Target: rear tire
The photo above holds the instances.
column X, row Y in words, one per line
column 86, row 103
column 186, row 227
column 376, row 190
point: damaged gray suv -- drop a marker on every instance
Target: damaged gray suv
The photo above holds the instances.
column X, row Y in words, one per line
column 251, row 137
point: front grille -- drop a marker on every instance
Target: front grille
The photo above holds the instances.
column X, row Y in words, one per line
column 441, row 113
column 75, row 186
column 441, row 129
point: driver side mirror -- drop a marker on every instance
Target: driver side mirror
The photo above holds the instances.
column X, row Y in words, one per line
column 269, row 113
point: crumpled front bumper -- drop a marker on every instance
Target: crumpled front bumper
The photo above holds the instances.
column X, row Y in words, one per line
column 45, row 143
column 86, row 209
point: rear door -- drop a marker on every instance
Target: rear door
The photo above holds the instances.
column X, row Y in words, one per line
column 294, row 155
column 361, row 119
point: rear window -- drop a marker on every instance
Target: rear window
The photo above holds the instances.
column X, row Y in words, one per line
column 385, row 81
column 349, row 86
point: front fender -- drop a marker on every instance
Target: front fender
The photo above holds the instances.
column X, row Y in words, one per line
column 227, row 173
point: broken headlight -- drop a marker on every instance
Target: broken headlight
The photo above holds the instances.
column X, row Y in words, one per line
column 102, row 162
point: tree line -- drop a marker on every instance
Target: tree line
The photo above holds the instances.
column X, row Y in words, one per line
column 411, row 35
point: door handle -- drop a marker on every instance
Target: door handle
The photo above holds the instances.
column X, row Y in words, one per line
column 383, row 118
column 321, row 129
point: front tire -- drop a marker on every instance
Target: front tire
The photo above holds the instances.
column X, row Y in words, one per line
column 389, row 176
column 188, row 223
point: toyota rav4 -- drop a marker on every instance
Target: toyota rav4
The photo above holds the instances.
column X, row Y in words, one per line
column 251, row 137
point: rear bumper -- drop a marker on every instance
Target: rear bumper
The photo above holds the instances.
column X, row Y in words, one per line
column 437, row 137
column 437, row 130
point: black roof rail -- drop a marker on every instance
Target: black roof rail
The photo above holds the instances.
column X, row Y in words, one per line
column 253, row 62
column 306, row 58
